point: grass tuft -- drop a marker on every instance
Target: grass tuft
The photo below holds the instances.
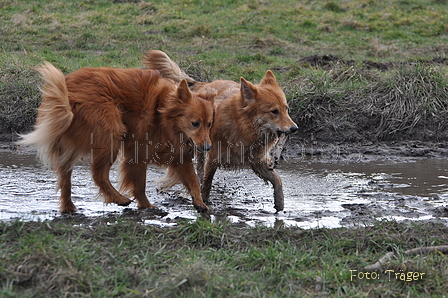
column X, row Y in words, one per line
column 19, row 99
column 351, row 104
column 412, row 95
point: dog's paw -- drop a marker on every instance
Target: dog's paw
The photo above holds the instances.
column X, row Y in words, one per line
column 68, row 208
column 149, row 205
column 124, row 202
column 202, row 208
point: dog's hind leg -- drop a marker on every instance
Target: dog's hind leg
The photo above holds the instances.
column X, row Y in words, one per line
column 65, row 185
column 263, row 171
column 102, row 161
column 209, row 173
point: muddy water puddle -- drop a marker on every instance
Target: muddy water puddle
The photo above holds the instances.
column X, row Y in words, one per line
column 317, row 193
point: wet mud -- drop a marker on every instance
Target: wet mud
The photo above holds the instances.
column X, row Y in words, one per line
column 326, row 186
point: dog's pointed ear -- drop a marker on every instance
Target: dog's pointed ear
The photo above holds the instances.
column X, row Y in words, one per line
column 269, row 79
column 248, row 91
column 183, row 92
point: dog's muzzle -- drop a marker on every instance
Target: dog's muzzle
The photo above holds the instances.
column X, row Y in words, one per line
column 288, row 131
column 204, row 148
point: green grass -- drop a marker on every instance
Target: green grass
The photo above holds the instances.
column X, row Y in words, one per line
column 236, row 36
column 71, row 258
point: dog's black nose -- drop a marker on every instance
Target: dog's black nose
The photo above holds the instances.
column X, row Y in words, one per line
column 293, row 129
column 206, row 147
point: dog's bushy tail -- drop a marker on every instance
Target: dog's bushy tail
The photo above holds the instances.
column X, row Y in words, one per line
column 54, row 115
column 158, row 60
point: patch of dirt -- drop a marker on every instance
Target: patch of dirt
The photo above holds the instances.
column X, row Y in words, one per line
column 328, row 61
column 127, row 213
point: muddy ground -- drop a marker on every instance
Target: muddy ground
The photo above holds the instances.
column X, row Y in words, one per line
column 325, row 185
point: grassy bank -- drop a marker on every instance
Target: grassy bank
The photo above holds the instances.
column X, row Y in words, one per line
column 69, row 258
column 351, row 101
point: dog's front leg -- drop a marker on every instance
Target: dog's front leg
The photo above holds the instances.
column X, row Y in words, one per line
column 101, row 164
column 133, row 179
column 187, row 175
column 263, row 171
column 209, row 172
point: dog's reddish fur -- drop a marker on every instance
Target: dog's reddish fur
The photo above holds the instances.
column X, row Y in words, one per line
column 248, row 120
column 103, row 111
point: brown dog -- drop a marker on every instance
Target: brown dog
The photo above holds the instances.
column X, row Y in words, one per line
column 104, row 111
column 247, row 123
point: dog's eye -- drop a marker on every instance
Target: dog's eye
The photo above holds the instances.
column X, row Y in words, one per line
column 209, row 125
column 275, row 112
column 195, row 124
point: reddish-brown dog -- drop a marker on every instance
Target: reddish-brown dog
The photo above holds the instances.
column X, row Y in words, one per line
column 247, row 123
column 103, row 111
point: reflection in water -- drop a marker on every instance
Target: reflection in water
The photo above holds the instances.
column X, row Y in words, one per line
column 416, row 177
column 316, row 194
